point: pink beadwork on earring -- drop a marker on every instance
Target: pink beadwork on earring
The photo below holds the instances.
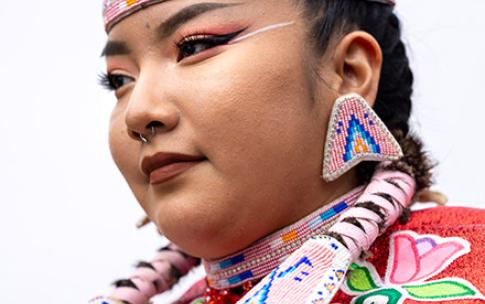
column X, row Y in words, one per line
column 356, row 134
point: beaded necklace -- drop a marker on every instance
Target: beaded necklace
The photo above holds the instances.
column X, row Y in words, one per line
column 231, row 277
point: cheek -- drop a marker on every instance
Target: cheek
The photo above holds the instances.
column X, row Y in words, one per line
column 252, row 115
column 262, row 136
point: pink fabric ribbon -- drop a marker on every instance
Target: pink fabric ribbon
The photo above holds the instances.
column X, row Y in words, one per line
column 398, row 186
column 150, row 282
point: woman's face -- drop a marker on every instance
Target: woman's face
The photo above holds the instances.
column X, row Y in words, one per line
column 248, row 108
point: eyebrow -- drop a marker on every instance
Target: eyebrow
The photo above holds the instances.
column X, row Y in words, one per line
column 113, row 48
column 169, row 26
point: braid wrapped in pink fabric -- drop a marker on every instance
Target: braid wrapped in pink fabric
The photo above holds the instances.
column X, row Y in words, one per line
column 152, row 278
column 391, row 192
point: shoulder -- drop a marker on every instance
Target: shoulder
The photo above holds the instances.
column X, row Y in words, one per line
column 437, row 254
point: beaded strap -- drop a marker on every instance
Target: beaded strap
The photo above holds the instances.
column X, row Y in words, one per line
column 151, row 278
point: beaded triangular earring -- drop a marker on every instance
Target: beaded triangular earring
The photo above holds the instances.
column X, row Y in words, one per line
column 355, row 134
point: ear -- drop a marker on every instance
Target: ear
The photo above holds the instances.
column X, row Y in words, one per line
column 357, row 64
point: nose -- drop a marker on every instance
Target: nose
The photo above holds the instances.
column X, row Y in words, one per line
column 149, row 109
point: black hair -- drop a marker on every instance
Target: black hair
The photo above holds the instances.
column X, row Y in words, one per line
column 329, row 19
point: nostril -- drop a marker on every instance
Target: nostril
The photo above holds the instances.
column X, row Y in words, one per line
column 145, row 136
column 134, row 135
column 153, row 126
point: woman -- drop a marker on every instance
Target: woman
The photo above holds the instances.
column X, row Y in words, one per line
column 270, row 140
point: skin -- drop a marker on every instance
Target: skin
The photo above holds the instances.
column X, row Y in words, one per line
column 254, row 108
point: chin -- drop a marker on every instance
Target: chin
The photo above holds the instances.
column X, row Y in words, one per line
column 200, row 233
column 197, row 213
column 203, row 241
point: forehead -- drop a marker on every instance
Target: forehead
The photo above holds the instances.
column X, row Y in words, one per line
column 115, row 14
column 159, row 21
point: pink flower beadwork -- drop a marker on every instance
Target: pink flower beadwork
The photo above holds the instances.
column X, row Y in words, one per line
column 417, row 259
column 413, row 260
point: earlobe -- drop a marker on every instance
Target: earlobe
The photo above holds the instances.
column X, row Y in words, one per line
column 358, row 60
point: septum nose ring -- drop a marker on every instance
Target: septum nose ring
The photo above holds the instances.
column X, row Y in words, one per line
column 144, row 139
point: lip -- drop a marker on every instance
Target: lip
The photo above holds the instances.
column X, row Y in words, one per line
column 163, row 166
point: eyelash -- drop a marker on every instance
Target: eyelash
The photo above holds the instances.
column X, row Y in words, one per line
column 208, row 40
column 111, row 82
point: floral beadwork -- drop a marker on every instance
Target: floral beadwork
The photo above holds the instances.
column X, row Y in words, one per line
column 413, row 260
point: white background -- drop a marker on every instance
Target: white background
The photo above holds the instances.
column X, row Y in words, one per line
column 67, row 218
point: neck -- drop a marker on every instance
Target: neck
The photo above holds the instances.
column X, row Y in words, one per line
column 260, row 258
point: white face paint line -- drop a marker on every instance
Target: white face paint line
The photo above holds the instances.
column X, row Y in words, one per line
column 261, row 30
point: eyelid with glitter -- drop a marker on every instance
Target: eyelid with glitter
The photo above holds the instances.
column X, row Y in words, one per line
column 191, row 43
column 202, row 37
column 219, row 32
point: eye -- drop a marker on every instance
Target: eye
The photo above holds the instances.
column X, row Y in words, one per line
column 113, row 82
column 195, row 44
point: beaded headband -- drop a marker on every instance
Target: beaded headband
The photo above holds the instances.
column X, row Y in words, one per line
column 116, row 10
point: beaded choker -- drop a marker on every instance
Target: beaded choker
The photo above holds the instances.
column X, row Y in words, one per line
column 263, row 256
